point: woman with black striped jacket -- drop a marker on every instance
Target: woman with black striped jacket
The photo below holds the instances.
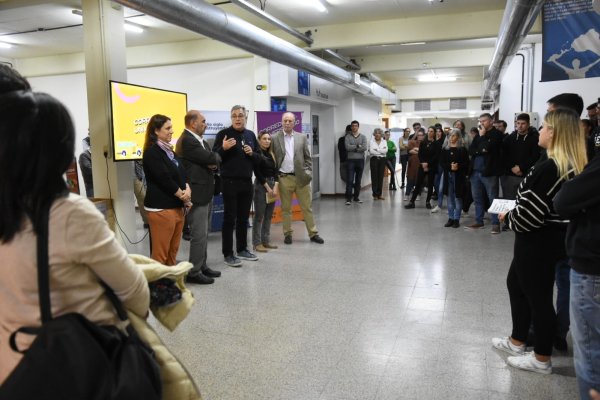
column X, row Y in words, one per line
column 540, row 242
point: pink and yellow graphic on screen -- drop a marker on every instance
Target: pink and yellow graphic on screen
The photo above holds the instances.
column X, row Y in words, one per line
column 132, row 107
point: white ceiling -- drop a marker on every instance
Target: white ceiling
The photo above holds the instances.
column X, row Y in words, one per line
column 43, row 28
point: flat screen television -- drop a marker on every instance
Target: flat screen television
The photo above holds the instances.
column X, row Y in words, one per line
column 132, row 106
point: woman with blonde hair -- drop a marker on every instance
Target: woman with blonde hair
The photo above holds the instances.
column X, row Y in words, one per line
column 540, row 242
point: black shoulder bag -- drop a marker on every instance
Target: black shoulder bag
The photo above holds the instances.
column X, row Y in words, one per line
column 72, row 358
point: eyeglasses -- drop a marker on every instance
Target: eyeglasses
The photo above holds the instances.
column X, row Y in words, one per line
column 238, row 116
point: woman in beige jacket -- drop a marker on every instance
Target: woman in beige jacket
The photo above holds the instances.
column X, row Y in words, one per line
column 36, row 147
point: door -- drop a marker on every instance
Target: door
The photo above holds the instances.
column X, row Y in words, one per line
column 315, row 155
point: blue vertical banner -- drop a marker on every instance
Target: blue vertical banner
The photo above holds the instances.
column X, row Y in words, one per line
column 571, row 40
column 303, row 83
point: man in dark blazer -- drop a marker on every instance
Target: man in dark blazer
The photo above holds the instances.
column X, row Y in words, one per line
column 200, row 164
column 294, row 164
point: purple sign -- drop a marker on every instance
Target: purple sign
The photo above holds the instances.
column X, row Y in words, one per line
column 270, row 121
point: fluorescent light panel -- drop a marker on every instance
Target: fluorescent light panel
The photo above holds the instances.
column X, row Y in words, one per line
column 317, row 4
column 4, row 45
column 133, row 27
column 129, row 26
column 436, row 78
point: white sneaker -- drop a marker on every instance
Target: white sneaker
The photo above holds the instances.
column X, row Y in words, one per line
column 435, row 209
column 506, row 346
column 528, row 362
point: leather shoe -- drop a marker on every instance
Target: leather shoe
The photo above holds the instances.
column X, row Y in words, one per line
column 287, row 239
column 200, row 279
column 410, row 205
column 211, row 273
column 317, row 239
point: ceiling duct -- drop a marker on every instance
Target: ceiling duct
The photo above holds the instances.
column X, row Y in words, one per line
column 272, row 20
column 204, row 18
column 519, row 17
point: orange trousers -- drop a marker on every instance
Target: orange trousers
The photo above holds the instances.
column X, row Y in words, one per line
column 166, row 227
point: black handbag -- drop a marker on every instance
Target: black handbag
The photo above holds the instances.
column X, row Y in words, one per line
column 218, row 184
column 72, row 358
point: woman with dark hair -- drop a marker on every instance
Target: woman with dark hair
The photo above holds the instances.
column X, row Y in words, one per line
column 429, row 153
column 266, row 189
column 412, row 168
column 403, row 146
column 167, row 193
column 36, row 147
column 540, row 242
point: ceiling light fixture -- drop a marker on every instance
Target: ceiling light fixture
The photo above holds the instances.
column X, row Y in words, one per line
column 318, row 5
column 4, row 45
column 436, row 78
column 131, row 27
column 412, row 43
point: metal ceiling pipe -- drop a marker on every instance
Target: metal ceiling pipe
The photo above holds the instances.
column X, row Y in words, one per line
column 271, row 19
column 353, row 66
column 376, row 79
column 202, row 17
column 519, row 17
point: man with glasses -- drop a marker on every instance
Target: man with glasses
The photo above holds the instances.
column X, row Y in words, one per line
column 237, row 147
column 487, row 167
column 294, row 164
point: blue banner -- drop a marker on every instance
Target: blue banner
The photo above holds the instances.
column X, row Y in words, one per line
column 571, row 40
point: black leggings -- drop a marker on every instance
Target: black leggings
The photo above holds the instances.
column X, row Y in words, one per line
column 530, row 285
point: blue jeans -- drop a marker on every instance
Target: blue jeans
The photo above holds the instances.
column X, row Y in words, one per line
column 454, row 203
column 585, row 329
column 439, row 185
column 562, row 297
column 354, row 168
column 482, row 187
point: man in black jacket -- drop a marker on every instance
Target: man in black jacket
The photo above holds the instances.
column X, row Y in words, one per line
column 486, row 162
column 238, row 149
column 199, row 163
column 579, row 200
column 520, row 151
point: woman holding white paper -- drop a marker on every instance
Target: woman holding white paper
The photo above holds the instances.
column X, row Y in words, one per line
column 540, row 242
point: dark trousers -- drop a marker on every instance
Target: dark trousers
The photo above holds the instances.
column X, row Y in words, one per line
column 530, row 285
column 377, row 165
column 391, row 166
column 354, row 168
column 237, row 199
column 421, row 182
column 404, row 164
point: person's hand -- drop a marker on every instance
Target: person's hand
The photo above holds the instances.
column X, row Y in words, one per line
column 212, row 166
column 188, row 205
column 454, row 166
column 276, row 191
column 270, row 191
column 501, row 217
column 594, row 395
column 516, row 170
column 228, row 143
column 247, row 150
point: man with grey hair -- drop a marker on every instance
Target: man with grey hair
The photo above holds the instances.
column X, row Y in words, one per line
column 237, row 147
column 294, row 163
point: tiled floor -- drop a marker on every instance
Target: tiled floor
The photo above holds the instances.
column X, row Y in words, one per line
column 392, row 306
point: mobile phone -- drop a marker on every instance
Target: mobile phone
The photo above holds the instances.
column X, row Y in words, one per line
column 242, row 141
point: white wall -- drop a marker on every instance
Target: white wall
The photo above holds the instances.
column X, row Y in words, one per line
column 510, row 92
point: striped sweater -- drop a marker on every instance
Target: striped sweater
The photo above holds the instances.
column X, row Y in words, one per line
column 534, row 209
